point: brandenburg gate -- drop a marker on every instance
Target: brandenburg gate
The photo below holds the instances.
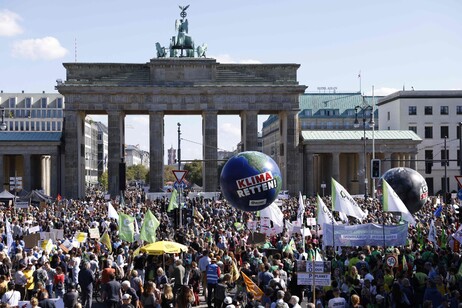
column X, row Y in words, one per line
column 180, row 84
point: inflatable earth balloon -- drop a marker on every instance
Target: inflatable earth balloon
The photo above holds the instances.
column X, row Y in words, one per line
column 409, row 185
column 250, row 181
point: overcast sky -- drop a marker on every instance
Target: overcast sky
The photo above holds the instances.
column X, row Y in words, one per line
column 392, row 43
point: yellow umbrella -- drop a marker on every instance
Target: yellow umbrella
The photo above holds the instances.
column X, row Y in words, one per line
column 162, row 247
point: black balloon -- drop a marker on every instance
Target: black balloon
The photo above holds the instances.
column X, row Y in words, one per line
column 409, row 185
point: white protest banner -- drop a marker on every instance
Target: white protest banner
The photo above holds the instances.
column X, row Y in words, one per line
column 94, row 233
column 319, row 279
column 57, row 234
column 265, row 222
column 34, row 229
column 21, row 204
column 66, row 246
column 310, row 221
column 45, row 235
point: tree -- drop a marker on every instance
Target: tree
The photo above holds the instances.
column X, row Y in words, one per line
column 136, row 172
column 104, row 180
column 195, row 172
column 168, row 174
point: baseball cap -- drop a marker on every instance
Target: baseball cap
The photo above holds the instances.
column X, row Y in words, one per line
column 126, row 296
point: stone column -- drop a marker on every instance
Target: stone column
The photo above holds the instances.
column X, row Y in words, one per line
column 386, row 163
column 74, row 179
column 42, row 172
column 249, row 130
column 308, row 171
column 27, row 175
column 2, row 173
column 209, row 149
column 156, row 151
column 361, row 173
column 116, row 149
column 335, row 166
column 54, row 175
column 289, row 152
column 47, row 175
column 412, row 161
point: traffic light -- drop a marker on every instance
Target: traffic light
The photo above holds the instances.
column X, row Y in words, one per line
column 375, row 168
column 428, row 167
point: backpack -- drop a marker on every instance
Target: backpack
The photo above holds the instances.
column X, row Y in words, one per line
column 41, row 276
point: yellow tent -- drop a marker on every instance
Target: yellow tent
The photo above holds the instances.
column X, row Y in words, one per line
column 162, row 247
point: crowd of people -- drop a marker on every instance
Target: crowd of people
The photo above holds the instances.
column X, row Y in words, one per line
column 222, row 263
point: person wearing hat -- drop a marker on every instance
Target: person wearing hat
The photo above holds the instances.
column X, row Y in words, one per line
column 126, row 301
column 337, row 301
column 213, row 273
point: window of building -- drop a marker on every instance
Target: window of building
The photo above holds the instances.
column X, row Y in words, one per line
column 43, row 127
column 444, row 130
column 458, row 132
column 28, row 102
column 444, row 110
column 444, row 155
column 59, row 102
column 60, row 114
column 59, row 126
column 459, row 109
column 43, row 102
column 48, row 126
column 430, row 186
column 27, row 126
column 12, row 102
column 428, row 132
column 444, row 185
column 33, row 113
column 16, row 125
column 428, row 110
column 53, row 126
column 388, row 115
column 458, row 157
column 32, row 126
column 44, row 114
column 413, row 128
column 412, row 110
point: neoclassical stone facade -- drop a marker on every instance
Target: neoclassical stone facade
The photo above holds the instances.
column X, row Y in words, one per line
column 169, row 86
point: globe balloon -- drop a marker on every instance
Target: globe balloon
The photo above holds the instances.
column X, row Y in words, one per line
column 409, row 185
column 250, row 181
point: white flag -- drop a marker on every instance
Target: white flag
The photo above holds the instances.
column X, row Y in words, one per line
column 458, row 234
column 344, row 202
column 432, row 234
column 392, row 203
column 301, row 209
column 324, row 214
column 111, row 212
column 274, row 213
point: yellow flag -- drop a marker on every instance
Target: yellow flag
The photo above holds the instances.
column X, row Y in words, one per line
column 197, row 214
column 252, row 287
column 47, row 245
column 81, row 237
column 106, row 240
column 136, row 252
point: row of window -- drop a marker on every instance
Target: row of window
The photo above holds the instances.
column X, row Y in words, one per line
column 444, row 131
column 443, row 155
column 428, row 110
column 53, row 126
column 34, row 113
column 42, row 103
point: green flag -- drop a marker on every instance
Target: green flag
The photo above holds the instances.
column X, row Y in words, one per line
column 149, row 227
column 126, row 227
column 443, row 239
column 173, row 204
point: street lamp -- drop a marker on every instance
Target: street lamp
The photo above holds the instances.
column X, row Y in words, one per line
column 3, row 124
column 364, row 108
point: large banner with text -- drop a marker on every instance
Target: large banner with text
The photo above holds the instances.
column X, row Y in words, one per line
column 365, row 234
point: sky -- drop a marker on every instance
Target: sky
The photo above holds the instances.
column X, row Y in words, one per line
column 391, row 44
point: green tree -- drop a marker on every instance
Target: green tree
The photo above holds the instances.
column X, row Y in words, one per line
column 104, row 180
column 136, row 172
column 194, row 172
column 168, row 174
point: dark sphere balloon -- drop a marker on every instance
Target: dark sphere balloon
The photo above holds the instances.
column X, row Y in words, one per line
column 409, row 185
column 250, row 181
